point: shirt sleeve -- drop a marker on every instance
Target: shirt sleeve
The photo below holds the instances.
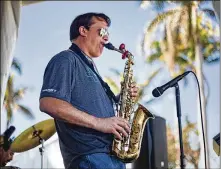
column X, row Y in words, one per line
column 58, row 79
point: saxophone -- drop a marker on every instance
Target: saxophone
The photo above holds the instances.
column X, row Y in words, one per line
column 128, row 149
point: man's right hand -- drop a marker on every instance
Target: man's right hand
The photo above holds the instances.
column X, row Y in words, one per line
column 114, row 125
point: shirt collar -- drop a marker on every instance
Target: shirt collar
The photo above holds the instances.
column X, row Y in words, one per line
column 78, row 50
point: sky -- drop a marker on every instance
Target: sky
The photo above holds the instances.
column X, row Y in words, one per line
column 44, row 31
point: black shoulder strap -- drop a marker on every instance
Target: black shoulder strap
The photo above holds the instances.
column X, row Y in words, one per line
column 108, row 91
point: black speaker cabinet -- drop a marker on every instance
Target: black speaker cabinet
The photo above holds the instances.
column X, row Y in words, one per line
column 216, row 144
column 153, row 154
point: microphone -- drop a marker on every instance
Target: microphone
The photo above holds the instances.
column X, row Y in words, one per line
column 159, row 90
column 7, row 134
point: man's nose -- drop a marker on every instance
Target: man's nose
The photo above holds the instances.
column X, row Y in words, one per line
column 106, row 38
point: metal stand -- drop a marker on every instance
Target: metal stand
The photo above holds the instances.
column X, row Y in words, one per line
column 36, row 133
column 41, row 150
column 182, row 156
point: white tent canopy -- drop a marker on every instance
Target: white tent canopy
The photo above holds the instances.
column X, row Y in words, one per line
column 10, row 16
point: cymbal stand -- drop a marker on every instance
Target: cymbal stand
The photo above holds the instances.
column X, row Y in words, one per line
column 41, row 150
column 41, row 141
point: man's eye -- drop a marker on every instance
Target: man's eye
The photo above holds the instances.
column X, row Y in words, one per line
column 103, row 32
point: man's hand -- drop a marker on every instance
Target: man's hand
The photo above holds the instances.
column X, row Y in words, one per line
column 5, row 156
column 114, row 125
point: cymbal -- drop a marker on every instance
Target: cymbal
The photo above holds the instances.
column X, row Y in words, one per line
column 31, row 137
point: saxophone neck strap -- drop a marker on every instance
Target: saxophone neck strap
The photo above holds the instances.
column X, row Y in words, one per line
column 77, row 50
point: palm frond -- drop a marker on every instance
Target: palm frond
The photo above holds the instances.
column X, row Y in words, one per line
column 155, row 5
column 157, row 21
column 159, row 5
column 16, row 65
column 153, row 57
column 183, row 27
column 155, row 45
column 114, row 87
column 27, row 112
column 211, row 52
column 9, row 114
column 142, row 45
column 9, row 89
column 140, row 95
column 160, row 18
column 210, row 13
column 181, row 61
column 208, row 89
column 213, row 60
column 115, row 71
column 17, row 95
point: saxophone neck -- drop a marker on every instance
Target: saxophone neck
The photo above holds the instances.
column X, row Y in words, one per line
column 125, row 53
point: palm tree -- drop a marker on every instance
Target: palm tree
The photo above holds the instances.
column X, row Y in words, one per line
column 183, row 20
column 177, row 40
column 184, row 59
column 192, row 154
column 13, row 96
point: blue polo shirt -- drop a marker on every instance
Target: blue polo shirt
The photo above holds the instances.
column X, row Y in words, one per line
column 67, row 77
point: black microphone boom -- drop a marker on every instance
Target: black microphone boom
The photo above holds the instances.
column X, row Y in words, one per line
column 159, row 90
column 7, row 134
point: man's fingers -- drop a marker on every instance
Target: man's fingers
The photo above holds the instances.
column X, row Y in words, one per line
column 124, row 123
column 117, row 134
column 125, row 126
column 122, row 130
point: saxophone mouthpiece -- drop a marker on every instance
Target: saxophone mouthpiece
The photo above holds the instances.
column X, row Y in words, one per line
column 109, row 46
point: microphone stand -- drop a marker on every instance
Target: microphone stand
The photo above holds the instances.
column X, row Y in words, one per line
column 178, row 107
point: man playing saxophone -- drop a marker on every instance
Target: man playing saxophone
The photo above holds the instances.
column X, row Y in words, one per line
column 81, row 103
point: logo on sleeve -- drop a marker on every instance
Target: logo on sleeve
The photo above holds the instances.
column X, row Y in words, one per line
column 49, row 90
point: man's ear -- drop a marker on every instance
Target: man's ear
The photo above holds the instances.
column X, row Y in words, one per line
column 83, row 31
